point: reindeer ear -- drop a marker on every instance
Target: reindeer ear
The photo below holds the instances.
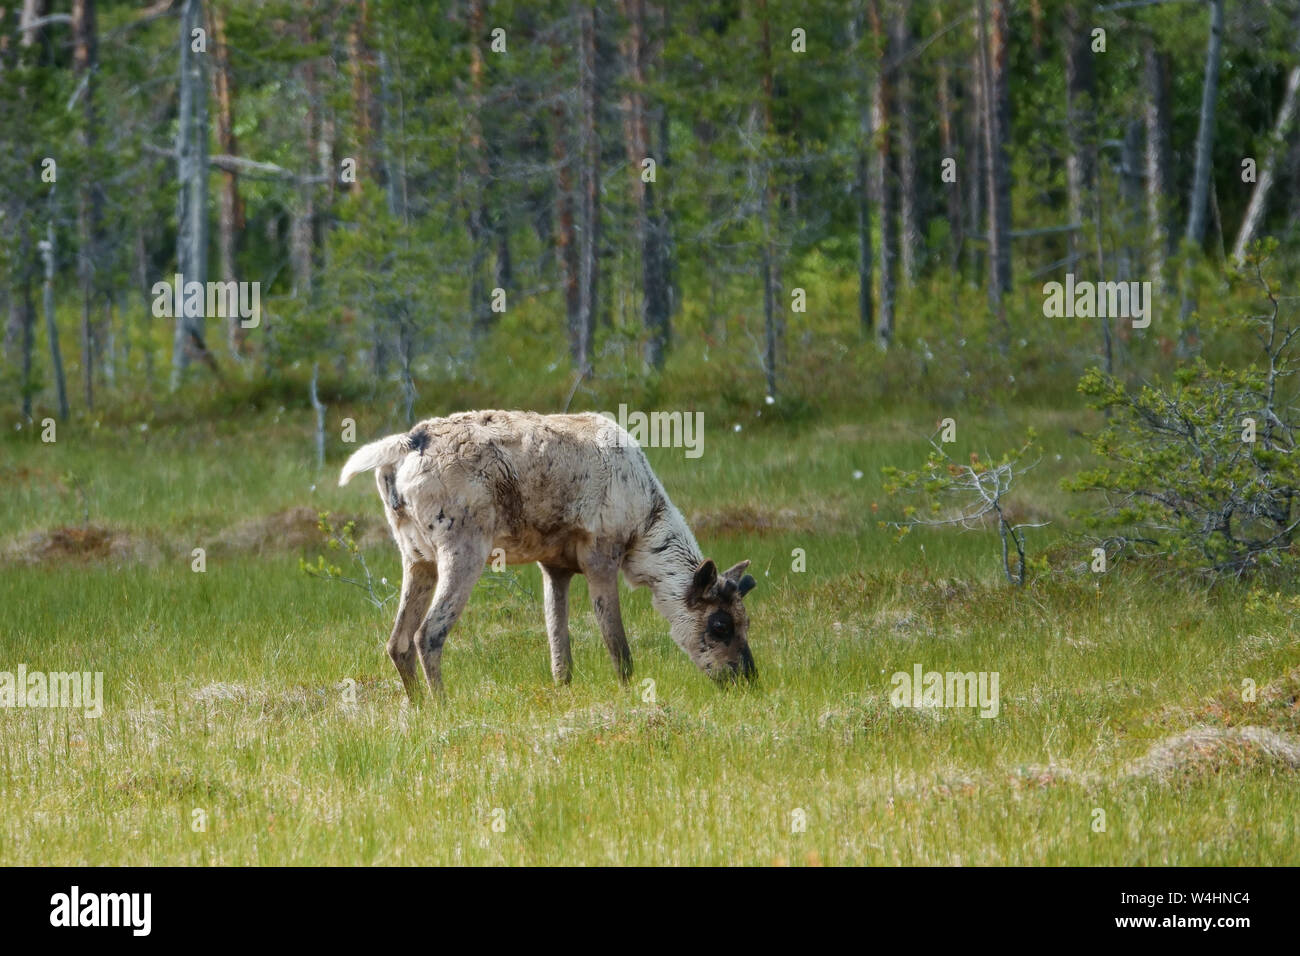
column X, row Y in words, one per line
column 747, row 584
column 734, row 572
column 705, row 576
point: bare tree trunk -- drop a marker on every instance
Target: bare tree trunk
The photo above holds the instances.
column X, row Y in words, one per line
column 997, row 127
column 656, row 300
column 21, row 328
column 884, row 184
column 769, row 297
column 319, row 409
column 31, row 12
column 480, row 236
column 1156, row 117
column 192, row 203
column 230, row 210
column 1130, row 186
column 89, row 215
column 773, row 317
column 361, row 66
column 862, row 184
column 143, row 285
column 391, row 145
column 1266, row 172
column 51, row 328
column 566, row 244
column 948, row 150
column 909, row 244
column 28, row 339
column 390, row 131
column 589, row 194
column 1081, row 96
column 977, row 175
column 1199, row 202
column 303, row 213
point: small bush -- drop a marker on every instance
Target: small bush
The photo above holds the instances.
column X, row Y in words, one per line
column 1202, row 469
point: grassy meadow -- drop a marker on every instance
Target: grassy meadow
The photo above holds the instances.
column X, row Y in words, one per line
column 251, row 715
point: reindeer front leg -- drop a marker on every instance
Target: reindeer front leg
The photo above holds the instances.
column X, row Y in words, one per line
column 556, row 588
column 602, row 582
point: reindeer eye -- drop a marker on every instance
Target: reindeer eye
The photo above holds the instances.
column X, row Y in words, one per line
column 720, row 626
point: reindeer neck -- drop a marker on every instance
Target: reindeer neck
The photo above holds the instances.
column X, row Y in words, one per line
column 666, row 560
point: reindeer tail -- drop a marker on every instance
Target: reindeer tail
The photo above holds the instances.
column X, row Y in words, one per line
column 386, row 451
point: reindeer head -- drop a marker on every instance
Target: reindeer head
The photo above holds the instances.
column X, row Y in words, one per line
column 714, row 631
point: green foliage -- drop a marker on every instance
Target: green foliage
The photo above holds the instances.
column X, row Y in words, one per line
column 343, row 539
column 974, row 491
column 1201, row 468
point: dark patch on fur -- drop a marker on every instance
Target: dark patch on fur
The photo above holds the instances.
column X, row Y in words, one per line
column 505, row 492
column 657, row 508
column 720, row 627
column 419, row 439
column 394, row 499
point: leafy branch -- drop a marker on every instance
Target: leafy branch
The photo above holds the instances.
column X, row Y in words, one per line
column 975, row 490
column 344, row 539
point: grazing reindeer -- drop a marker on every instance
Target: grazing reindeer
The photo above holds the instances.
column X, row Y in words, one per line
column 572, row 492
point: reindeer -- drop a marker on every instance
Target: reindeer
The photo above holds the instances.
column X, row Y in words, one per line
column 573, row 493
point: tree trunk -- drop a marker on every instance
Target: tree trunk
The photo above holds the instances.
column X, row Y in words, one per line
column 655, row 301
column 1158, row 179
column 480, row 232
column 589, row 183
column 1081, row 97
column 361, row 66
column 302, row 225
column 566, row 245
column 772, row 315
column 391, row 146
column 31, row 12
column 862, row 183
column 909, row 245
column 21, row 331
column 85, row 57
column 977, row 174
column 948, row 150
column 230, row 210
column 28, row 337
column 1198, row 204
column 769, row 297
column 192, row 202
column 1266, row 172
column 1130, row 214
column 51, row 327
column 997, row 127
column 883, row 185
column 319, row 409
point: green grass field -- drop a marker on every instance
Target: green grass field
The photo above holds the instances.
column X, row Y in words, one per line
column 258, row 702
